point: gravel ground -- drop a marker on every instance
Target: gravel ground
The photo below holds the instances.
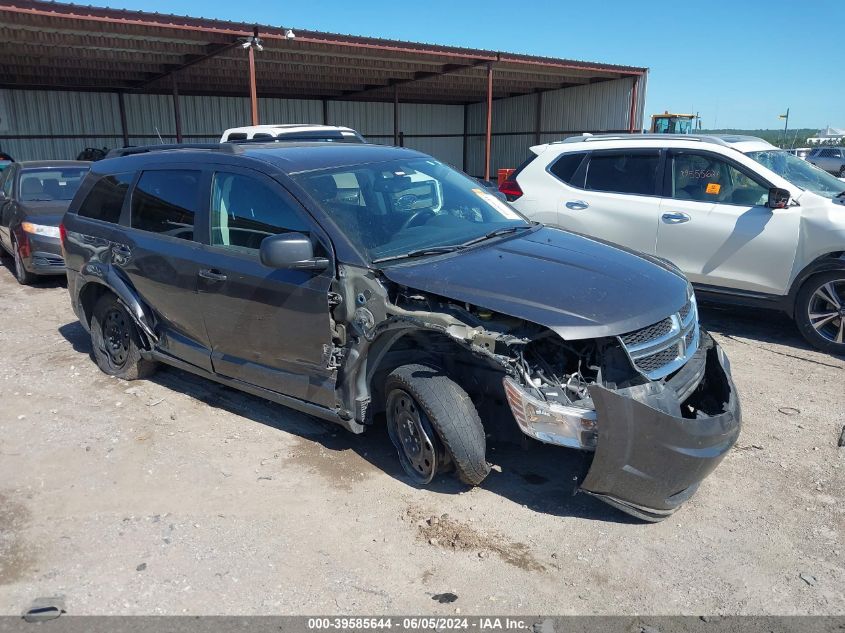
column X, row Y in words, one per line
column 176, row 495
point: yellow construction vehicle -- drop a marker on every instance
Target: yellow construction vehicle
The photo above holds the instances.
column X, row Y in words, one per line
column 668, row 123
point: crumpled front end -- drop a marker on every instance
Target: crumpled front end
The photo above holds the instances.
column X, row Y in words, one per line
column 653, row 448
column 654, row 442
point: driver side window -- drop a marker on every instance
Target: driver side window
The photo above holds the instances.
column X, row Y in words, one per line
column 245, row 210
column 707, row 178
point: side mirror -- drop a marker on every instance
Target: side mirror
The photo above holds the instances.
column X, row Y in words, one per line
column 2, row 195
column 292, row 251
column 778, row 198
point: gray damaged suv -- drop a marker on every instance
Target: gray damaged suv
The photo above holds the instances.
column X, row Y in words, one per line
column 361, row 284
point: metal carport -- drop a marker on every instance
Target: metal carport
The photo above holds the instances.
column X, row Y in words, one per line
column 74, row 76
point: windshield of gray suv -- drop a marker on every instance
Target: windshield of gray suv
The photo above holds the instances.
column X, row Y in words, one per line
column 408, row 208
column 799, row 172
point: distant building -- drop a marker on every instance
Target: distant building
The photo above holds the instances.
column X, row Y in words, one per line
column 827, row 136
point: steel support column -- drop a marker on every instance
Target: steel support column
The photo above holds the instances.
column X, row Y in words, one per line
column 466, row 125
column 253, row 92
column 633, row 116
column 538, row 114
column 121, row 104
column 177, row 113
column 396, row 115
column 489, row 132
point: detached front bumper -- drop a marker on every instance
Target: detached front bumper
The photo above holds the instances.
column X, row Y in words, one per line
column 658, row 441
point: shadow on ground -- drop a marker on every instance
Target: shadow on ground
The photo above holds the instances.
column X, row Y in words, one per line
column 42, row 281
column 750, row 325
column 542, row 478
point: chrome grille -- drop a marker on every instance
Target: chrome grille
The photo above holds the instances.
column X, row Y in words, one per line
column 655, row 362
column 648, row 333
column 661, row 348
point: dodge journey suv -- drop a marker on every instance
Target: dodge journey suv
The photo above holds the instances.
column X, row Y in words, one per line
column 748, row 223
column 361, row 284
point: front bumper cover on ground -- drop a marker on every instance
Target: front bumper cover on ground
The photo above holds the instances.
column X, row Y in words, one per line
column 654, row 448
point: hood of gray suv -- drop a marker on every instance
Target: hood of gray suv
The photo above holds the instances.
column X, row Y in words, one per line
column 578, row 287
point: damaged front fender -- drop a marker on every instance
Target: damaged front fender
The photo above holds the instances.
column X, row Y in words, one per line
column 654, row 448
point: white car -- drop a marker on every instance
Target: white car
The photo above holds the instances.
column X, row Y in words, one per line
column 748, row 223
column 293, row 132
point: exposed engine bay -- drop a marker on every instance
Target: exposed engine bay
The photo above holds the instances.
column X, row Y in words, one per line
column 654, row 439
column 552, row 370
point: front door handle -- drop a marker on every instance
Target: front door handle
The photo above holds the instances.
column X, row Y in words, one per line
column 675, row 218
column 577, row 205
column 212, row 274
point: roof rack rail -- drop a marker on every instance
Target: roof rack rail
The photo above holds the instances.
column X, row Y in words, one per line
column 303, row 137
column 228, row 148
column 586, row 138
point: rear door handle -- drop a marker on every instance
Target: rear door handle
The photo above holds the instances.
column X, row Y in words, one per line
column 213, row 274
column 675, row 218
column 577, row 205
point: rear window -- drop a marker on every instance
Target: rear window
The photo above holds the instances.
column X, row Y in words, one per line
column 632, row 173
column 51, row 184
column 566, row 166
column 236, row 136
column 105, row 200
column 166, row 202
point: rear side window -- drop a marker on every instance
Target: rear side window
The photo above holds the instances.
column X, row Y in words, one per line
column 632, row 173
column 566, row 168
column 105, row 200
column 166, row 202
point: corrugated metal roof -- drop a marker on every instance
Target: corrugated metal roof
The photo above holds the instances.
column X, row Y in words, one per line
column 56, row 45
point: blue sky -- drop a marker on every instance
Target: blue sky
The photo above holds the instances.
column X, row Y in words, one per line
column 739, row 63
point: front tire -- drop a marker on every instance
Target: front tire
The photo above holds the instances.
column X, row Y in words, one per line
column 24, row 277
column 842, row 171
column 432, row 421
column 820, row 312
column 116, row 342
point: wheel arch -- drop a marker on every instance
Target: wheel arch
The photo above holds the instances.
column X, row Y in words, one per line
column 410, row 344
column 97, row 281
column 822, row 264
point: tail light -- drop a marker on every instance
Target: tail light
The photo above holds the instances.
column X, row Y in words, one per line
column 62, row 233
column 511, row 189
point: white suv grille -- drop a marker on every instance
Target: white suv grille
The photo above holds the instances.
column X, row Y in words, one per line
column 658, row 350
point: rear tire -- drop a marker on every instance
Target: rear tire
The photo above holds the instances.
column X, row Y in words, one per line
column 429, row 414
column 820, row 312
column 116, row 342
column 24, row 277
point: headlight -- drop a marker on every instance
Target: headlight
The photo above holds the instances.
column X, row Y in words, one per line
column 551, row 422
column 40, row 229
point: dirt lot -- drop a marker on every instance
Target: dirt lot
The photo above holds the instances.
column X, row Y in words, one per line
column 176, row 495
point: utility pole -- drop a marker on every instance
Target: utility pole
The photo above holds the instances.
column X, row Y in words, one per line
column 785, row 125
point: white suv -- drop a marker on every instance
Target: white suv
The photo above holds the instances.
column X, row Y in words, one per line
column 749, row 224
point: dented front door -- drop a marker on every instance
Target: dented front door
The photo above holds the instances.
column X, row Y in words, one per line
column 268, row 327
